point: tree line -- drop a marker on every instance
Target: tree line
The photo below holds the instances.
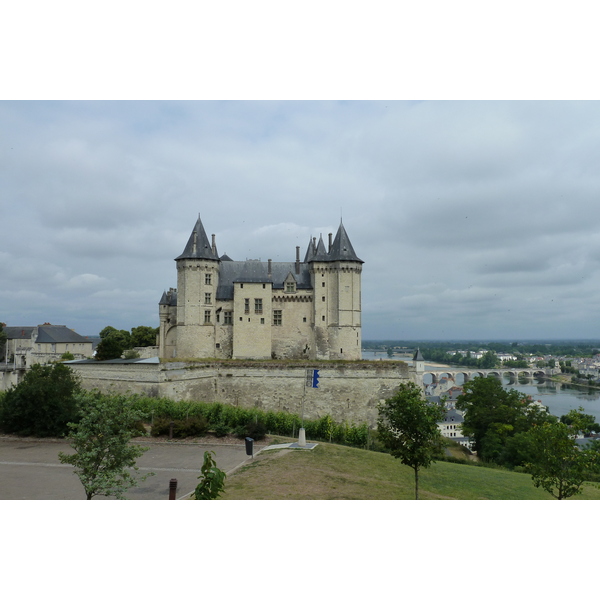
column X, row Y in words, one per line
column 571, row 348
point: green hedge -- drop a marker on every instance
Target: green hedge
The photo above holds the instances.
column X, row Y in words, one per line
column 221, row 416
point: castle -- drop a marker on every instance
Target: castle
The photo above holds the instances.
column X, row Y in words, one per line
column 250, row 309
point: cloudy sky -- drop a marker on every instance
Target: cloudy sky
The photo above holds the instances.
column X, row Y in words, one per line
column 476, row 220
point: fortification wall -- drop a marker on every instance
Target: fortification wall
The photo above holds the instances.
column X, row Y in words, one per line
column 347, row 391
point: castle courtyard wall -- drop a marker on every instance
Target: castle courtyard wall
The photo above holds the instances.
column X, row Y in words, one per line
column 347, row 391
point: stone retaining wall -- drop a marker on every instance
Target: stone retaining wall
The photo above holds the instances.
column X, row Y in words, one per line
column 347, row 391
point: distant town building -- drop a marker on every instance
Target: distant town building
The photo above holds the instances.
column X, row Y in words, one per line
column 28, row 345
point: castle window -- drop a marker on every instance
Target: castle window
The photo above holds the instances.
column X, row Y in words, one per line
column 262, row 321
column 290, row 287
column 277, row 317
column 304, row 319
column 323, row 284
column 323, row 318
column 258, row 306
column 227, row 317
column 323, row 298
column 207, row 299
column 208, row 279
column 246, row 305
column 207, row 316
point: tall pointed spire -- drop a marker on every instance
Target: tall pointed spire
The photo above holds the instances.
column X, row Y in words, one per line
column 310, row 251
column 342, row 249
column 198, row 245
column 321, row 253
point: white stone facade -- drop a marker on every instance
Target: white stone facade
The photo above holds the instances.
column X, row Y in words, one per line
column 255, row 310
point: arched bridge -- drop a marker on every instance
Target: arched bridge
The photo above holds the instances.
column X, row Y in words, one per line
column 469, row 374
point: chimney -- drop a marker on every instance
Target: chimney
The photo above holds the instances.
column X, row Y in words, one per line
column 297, row 260
column 214, row 247
column 330, row 242
column 269, row 271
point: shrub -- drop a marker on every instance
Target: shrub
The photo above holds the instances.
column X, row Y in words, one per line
column 182, row 428
column 358, row 435
column 253, row 429
column 43, row 403
column 160, row 426
column 221, row 429
column 139, row 429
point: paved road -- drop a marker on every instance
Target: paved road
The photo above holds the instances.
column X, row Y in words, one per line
column 30, row 470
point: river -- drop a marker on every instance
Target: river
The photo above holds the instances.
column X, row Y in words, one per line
column 559, row 398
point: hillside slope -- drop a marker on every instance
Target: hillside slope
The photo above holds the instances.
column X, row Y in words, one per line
column 332, row 472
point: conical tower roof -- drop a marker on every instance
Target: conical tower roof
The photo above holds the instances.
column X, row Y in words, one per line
column 310, row 251
column 418, row 355
column 198, row 245
column 321, row 254
column 342, row 249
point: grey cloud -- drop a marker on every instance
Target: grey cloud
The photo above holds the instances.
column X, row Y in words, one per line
column 463, row 212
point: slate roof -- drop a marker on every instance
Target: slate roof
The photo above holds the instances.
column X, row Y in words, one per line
column 169, row 298
column 254, row 271
column 18, row 333
column 115, row 361
column 47, row 334
column 418, row 355
column 453, row 416
column 198, row 245
column 59, row 334
column 341, row 249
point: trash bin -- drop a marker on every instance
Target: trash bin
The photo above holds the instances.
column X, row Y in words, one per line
column 249, row 446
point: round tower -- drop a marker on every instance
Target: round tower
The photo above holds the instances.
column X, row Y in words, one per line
column 197, row 282
column 336, row 279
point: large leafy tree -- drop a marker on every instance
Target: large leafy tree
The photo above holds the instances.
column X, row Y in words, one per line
column 557, row 464
column 489, row 360
column 494, row 416
column 43, row 403
column 143, row 336
column 579, row 420
column 104, row 456
column 408, row 428
column 110, row 347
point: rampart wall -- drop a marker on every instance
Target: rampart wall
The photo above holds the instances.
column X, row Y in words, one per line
column 347, row 391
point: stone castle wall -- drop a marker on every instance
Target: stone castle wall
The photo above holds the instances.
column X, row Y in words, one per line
column 347, row 391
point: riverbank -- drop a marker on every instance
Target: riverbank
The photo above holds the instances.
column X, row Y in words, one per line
column 566, row 379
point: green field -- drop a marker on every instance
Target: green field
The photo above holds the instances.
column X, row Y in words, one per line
column 332, row 472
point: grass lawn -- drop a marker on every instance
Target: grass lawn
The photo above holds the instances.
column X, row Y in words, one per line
column 332, row 472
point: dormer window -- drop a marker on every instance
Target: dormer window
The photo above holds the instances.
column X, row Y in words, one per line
column 290, row 284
